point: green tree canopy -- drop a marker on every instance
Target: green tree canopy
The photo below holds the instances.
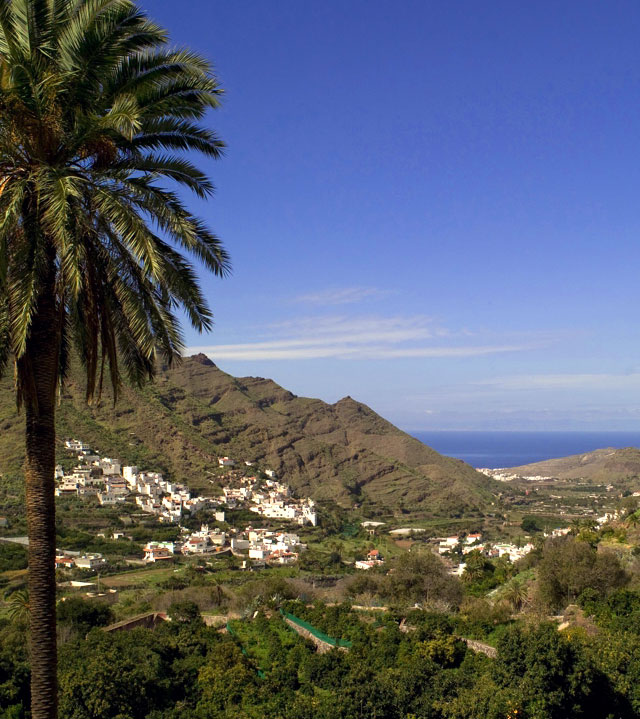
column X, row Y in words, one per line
column 570, row 566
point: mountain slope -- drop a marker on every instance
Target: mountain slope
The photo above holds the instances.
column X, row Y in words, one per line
column 195, row 412
column 601, row 465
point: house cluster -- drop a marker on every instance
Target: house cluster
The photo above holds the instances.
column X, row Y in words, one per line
column 374, row 559
column 468, row 542
column 494, row 551
column 93, row 476
column 111, row 483
column 266, row 545
column 269, row 498
column 255, row 544
column 473, row 542
column 506, row 549
column 167, row 500
column 504, row 475
column 608, row 517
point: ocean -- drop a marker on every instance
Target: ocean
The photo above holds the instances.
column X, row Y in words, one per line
column 511, row 449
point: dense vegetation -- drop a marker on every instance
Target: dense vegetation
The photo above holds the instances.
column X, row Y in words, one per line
column 408, row 659
column 188, row 670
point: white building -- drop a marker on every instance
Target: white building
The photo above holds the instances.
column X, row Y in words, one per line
column 130, row 474
column 67, row 488
column 109, row 466
column 90, row 561
column 258, row 553
column 239, row 544
column 156, row 551
column 195, row 545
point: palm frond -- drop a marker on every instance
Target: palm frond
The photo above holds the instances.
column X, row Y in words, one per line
column 95, row 117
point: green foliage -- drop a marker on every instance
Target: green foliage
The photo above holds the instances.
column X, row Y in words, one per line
column 482, row 574
column 531, row 524
column 14, row 671
column 480, row 619
column 83, row 615
column 430, row 625
column 422, row 578
column 553, row 675
column 265, row 640
column 185, row 612
column 617, row 656
column 18, row 606
column 12, row 556
column 77, row 540
column 96, row 112
column 570, row 566
column 618, row 612
column 224, row 680
column 263, row 669
column 447, row 651
column 114, row 675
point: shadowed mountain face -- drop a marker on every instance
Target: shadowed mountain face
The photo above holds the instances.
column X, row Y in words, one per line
column 601, row 465
column 194, row 413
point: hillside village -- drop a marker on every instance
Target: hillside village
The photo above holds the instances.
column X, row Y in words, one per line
column 111, row 483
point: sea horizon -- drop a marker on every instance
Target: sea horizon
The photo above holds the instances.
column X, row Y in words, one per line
column 512, row 448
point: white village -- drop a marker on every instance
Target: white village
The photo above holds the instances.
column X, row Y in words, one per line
column 111, row 483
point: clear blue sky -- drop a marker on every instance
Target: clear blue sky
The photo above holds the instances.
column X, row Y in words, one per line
column 433, row 207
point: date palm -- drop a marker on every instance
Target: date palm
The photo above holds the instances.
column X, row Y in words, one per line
column 516, row 595
column 95, row 113
column 18, row 606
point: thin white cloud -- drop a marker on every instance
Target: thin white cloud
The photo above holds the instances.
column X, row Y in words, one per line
column 353, row 339
column 603, row 381
column 341, row 296
column 318, row 331
column 232, row 352
column 470, row 351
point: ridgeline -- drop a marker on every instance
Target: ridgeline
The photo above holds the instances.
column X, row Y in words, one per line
column 195, row 412
column 602, row 465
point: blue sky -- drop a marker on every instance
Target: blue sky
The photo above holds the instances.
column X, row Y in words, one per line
column 430, row 206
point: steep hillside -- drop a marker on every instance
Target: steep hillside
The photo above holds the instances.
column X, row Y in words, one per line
column 601, row 465
column 195, row 412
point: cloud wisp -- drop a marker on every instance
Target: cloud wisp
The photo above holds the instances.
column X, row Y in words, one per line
column 595, row 381
column 341, row 296
column 350, row 338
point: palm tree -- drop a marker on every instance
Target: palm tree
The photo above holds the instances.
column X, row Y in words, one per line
column 18, row 605
column 516, row 595
column 95, row 111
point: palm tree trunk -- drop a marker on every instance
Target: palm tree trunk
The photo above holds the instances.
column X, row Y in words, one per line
column 42, row 354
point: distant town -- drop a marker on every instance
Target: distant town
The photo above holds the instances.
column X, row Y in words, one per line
column 244, row 487
column 111, row 483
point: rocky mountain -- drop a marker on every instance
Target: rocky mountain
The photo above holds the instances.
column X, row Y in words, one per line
column 601, row 465
column 195, row 412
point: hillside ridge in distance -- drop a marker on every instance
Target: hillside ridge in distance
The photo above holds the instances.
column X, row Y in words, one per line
column 600, row 465
column 195, row 412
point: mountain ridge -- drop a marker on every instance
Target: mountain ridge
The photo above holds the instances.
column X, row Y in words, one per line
column 607, row 464
column 195, row 412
